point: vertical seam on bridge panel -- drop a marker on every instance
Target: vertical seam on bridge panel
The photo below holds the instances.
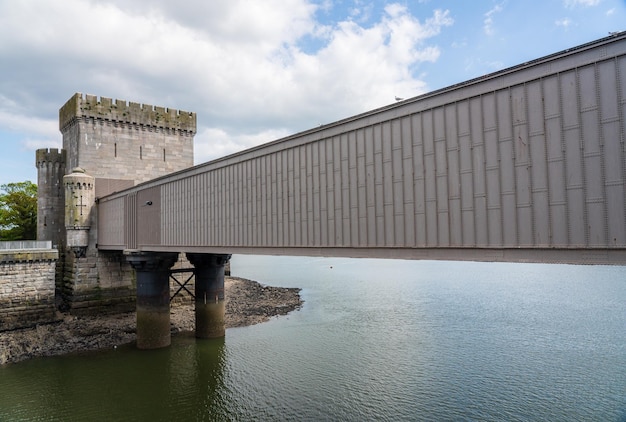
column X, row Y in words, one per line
column 530, row 164
column 280, row 198
column 516, row 241
column 227, row 211
column 293, row 162
column 456, row 182
column 546, row 154
column 582, row 159
column 201, row 211
column 305, row 199
column 258, row 202
column 397, row 176
column 244, row 199
column 500, row 170
column 603, row 164
column 621, row 116
column 298, row 174
column 290, row 201
column 283, row 204
column 318, row 191
column 407, row 181
column 566, row 194
column 470, row 145
column 234, row 203
column 239, row 201
column 485, row 196
column 419, row 179
column 217, row 200
column 210, row 227
column 447, row 174
column 339, row 186
column 319, row 175
column 455, row 232
column 386, row 138
column 263, row 192
column 219, row 190
column 272, row 223
column 281, row 227
column 248, row 195
column 427, row 200
column 328, row 210
column 353, row 228
column 370, row 218
column 271, row 168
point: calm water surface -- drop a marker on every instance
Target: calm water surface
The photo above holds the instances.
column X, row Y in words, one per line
column 376, row 340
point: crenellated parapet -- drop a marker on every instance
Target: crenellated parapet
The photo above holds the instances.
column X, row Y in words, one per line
column 90, row 106
column 44, row 156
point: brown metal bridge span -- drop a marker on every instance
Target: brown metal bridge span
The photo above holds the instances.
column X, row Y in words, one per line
column 527, row 164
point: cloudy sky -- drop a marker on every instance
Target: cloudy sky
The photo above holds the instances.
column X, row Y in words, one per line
column 258, row 70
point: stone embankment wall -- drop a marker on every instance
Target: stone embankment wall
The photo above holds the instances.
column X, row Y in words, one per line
column 27, row 287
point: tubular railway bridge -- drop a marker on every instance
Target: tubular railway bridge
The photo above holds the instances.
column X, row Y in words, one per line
column 526, row 164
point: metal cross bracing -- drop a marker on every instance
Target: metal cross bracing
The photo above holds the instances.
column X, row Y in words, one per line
column 182, row 285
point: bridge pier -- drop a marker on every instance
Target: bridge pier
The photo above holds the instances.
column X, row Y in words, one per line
column 153, row 297
column 210, row 305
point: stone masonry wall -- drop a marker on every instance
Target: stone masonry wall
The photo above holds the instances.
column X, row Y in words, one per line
column 27, row 287
column 107, row 283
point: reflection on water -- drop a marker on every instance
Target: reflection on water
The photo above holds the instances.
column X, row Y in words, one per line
column 183, row 382
column 375, row 340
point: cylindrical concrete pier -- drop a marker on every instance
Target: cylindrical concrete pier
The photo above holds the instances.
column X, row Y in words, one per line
column 210, row 305
column 153, row 297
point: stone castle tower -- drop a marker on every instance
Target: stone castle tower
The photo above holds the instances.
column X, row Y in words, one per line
column 107, row 146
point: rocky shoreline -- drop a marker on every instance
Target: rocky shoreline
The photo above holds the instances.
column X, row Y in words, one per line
column 247, row 303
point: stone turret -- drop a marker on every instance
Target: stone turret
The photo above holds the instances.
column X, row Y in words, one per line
column 50, row 195
column 79, row 200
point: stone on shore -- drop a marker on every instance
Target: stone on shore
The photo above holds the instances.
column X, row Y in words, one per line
column 247, row 303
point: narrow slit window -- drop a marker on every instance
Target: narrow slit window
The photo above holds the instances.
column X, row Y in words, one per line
column 140, row 152
column 163, row 154
column 115, row 149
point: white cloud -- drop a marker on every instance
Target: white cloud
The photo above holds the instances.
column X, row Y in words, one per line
column 241, row 65
column 564, row 22
column 489, row 16
column 23, row 123
column 584, row 3
column 35, row 144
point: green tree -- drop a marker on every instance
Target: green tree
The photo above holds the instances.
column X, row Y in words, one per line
column 18, row 211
